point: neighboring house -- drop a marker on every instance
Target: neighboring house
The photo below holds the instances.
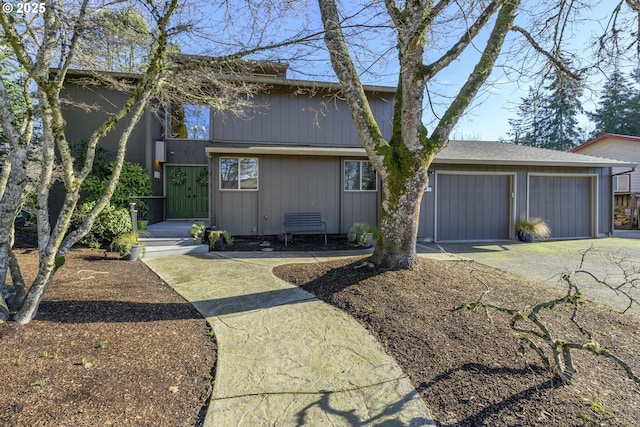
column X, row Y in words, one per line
column 626, row 180
column 298, row 151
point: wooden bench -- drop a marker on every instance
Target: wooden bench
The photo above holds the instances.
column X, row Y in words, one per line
column 304, row 222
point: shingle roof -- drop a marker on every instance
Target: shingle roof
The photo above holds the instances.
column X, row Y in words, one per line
column 502, row 153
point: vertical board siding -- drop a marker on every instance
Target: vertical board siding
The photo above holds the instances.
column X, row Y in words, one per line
column 280, row 118
column 473, row 207
column 186, row 151
column 238, row 212
column 299, row 184
column 105, row 102
column 565, row 203
column 359, row 206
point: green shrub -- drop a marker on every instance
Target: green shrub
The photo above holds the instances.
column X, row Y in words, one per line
column 111, row 222
column 134, row 181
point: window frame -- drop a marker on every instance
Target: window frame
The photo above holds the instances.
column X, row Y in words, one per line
column 239, row 160
column 169, row 123
column 361, row 175
column 626, row 178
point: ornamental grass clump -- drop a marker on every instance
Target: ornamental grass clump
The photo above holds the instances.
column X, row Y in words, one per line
column 533, row 228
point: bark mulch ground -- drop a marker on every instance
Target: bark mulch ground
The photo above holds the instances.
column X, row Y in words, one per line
column 468, row 369
column 111, row 344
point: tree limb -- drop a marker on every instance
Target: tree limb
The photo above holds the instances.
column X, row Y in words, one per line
column 557, row 63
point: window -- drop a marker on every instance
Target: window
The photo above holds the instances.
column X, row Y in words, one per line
column 622, row 183
column 359, row 175
column 238, row 173
column 190, row 121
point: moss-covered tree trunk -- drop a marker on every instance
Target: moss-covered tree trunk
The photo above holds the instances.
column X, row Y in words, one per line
column 402, row 161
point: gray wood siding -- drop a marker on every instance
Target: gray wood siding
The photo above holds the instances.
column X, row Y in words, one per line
column 186, row 151
column 235, row 211
column 299, row 184
column 81, row 124
column 280, row 118
column 426, row 222
column 604, row 193
column 565, row 203
column 104, row 102
column 473, row 207
column 359, row 206
column 238, row 212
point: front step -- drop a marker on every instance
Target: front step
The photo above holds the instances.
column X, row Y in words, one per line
column 159, row 247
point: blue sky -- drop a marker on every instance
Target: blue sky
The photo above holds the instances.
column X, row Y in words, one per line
column 488, row 117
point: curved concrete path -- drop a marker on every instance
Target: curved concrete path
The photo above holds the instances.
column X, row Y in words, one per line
column 284, row 357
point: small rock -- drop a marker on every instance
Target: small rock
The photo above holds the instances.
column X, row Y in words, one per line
column 365, row 264
column 267, row 250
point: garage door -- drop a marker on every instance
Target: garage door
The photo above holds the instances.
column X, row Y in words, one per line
column 564, row 202
column 473, row 207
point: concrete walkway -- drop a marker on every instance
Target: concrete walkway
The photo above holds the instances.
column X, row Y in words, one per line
column 284, row 357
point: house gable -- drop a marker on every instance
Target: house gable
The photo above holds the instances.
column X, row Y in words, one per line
column 621, row 147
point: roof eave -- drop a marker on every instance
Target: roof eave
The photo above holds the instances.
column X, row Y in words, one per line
column 530, row 163
column 286, row 150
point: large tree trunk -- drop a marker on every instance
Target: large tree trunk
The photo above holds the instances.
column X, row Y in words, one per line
column 403, row 160
column 398, row 231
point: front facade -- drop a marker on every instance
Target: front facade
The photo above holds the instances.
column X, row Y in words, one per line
column 297, row 150
column 302, row 154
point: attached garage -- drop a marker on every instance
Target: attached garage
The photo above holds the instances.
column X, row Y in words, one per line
column 473, row 206
column 566, row 202
column 477, row 190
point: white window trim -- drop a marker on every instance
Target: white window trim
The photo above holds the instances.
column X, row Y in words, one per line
column 359, row 190
column 239, row 159
column 616, row 183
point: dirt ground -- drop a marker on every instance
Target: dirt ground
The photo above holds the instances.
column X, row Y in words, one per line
column 468, row 369
column 111, row 344
column 298, row 243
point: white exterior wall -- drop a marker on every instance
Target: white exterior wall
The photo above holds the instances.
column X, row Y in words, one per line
column 619, row 149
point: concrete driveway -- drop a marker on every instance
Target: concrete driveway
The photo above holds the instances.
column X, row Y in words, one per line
column 546, row 261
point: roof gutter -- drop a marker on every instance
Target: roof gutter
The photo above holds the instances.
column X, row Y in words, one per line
column 625, row 172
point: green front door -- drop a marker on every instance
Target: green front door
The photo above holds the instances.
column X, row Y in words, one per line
column 187, row 192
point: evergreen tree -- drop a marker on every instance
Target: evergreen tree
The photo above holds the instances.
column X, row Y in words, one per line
column 548, row 119
column 618, row 109
column 115, row 40
column 558, row 123
column 525, row 129
column 634, row 104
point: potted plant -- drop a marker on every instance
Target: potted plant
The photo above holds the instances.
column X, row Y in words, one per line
column 129, row 245
column 197, row 231
column 219, row 239
column 532, row 228
column 361, row 234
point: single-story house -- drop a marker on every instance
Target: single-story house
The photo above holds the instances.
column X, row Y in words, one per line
column 626, row 182
column 297, row 150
